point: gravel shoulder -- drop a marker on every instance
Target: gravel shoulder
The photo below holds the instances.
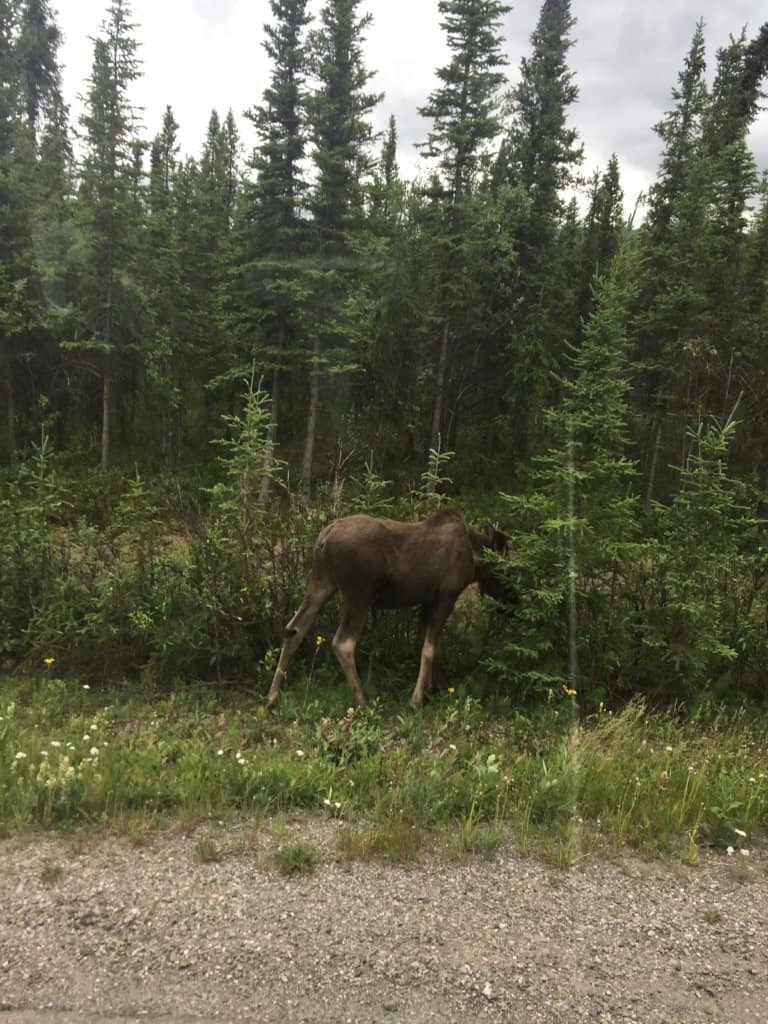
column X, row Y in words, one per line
column 101, row 929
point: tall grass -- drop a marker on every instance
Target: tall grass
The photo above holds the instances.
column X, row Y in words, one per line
column 660, row 783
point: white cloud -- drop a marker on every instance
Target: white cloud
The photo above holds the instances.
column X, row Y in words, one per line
column 204, row 54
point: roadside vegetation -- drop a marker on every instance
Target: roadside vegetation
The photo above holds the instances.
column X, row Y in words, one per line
column 202, row 363
column 465, row 773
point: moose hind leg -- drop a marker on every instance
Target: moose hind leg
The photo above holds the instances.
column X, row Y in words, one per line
column 435, row 617
column 344, row 646
column 295, row 631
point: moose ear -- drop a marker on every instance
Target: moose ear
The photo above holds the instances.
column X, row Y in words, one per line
column 495, row 539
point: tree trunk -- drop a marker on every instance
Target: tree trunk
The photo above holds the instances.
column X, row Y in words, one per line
column 10, row 414
column 438, row 410
column 106, row 411
column 314, row 404
column 647, row 504
column 269, row 458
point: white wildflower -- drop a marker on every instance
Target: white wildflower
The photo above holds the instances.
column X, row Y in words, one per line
column 21, row 756
column 299, row 753
column 94, row 751
column 744, row 853
column 730, row 851
column 740, row 832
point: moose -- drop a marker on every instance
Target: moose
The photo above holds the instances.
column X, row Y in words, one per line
column 383, row 563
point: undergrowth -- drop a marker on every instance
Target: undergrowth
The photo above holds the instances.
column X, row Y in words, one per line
column 661, row 783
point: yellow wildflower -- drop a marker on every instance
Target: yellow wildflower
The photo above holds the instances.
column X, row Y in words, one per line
column 568, row 691
column 319, row 640
column 48, row 661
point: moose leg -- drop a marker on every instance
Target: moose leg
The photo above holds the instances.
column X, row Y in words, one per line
column 434, row 617
column 344, row 645
column 295, row 631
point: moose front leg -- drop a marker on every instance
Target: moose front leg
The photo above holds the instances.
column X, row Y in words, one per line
column 434, row 617
column 295, row 631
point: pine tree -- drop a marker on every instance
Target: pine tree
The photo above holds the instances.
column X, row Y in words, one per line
column 383, row 317
column 576, row 535
column 166, row 350
column 733, row 106
column 539, row 157
column 37, row 48
column 206, row 194
column 341, row 133
column 9, row 315
column 603, row 230
column 340, row 129
column 465, row 107
column 466, row 120
column 690, row 309
column 671, row 298
column 105, row 204
column 34, row 154
column 268, row 288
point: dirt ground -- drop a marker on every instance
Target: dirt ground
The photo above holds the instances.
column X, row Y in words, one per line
column 102, row 929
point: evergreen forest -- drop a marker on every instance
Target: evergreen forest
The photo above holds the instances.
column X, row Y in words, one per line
column 205, row 358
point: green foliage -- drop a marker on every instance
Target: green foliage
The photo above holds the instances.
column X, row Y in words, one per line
column 29, row 561
column 663, row 784
column 296, row 859
column 431, row 496
column 703, row 631
column 575, row 538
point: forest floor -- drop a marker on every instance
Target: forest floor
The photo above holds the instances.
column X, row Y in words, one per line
column 105, row 928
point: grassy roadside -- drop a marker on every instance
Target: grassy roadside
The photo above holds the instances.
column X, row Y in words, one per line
column 71, row 755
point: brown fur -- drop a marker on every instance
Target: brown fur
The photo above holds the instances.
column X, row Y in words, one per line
column 388, row 564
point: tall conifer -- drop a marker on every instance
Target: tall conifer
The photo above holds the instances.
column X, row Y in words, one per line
column 105, row 201
column 539, row 158
column 465, row 113
column 269, row 286
column 341, row 132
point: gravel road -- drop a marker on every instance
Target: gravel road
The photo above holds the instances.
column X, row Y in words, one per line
column 102, row 929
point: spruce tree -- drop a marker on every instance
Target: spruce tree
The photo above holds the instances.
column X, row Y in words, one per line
column 106, row 207
column 10, row 320
column 690, row 309
column 466, row 120
column 671, row 299
column 539, row 157
column 268, row 288
column 465, row 106
column 341, row 133
column 37, row 49
column 576, row 535
column 34, row 156
column 167, row 354
column 602, row 231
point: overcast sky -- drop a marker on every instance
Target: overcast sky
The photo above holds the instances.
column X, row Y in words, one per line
column 204, row 54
